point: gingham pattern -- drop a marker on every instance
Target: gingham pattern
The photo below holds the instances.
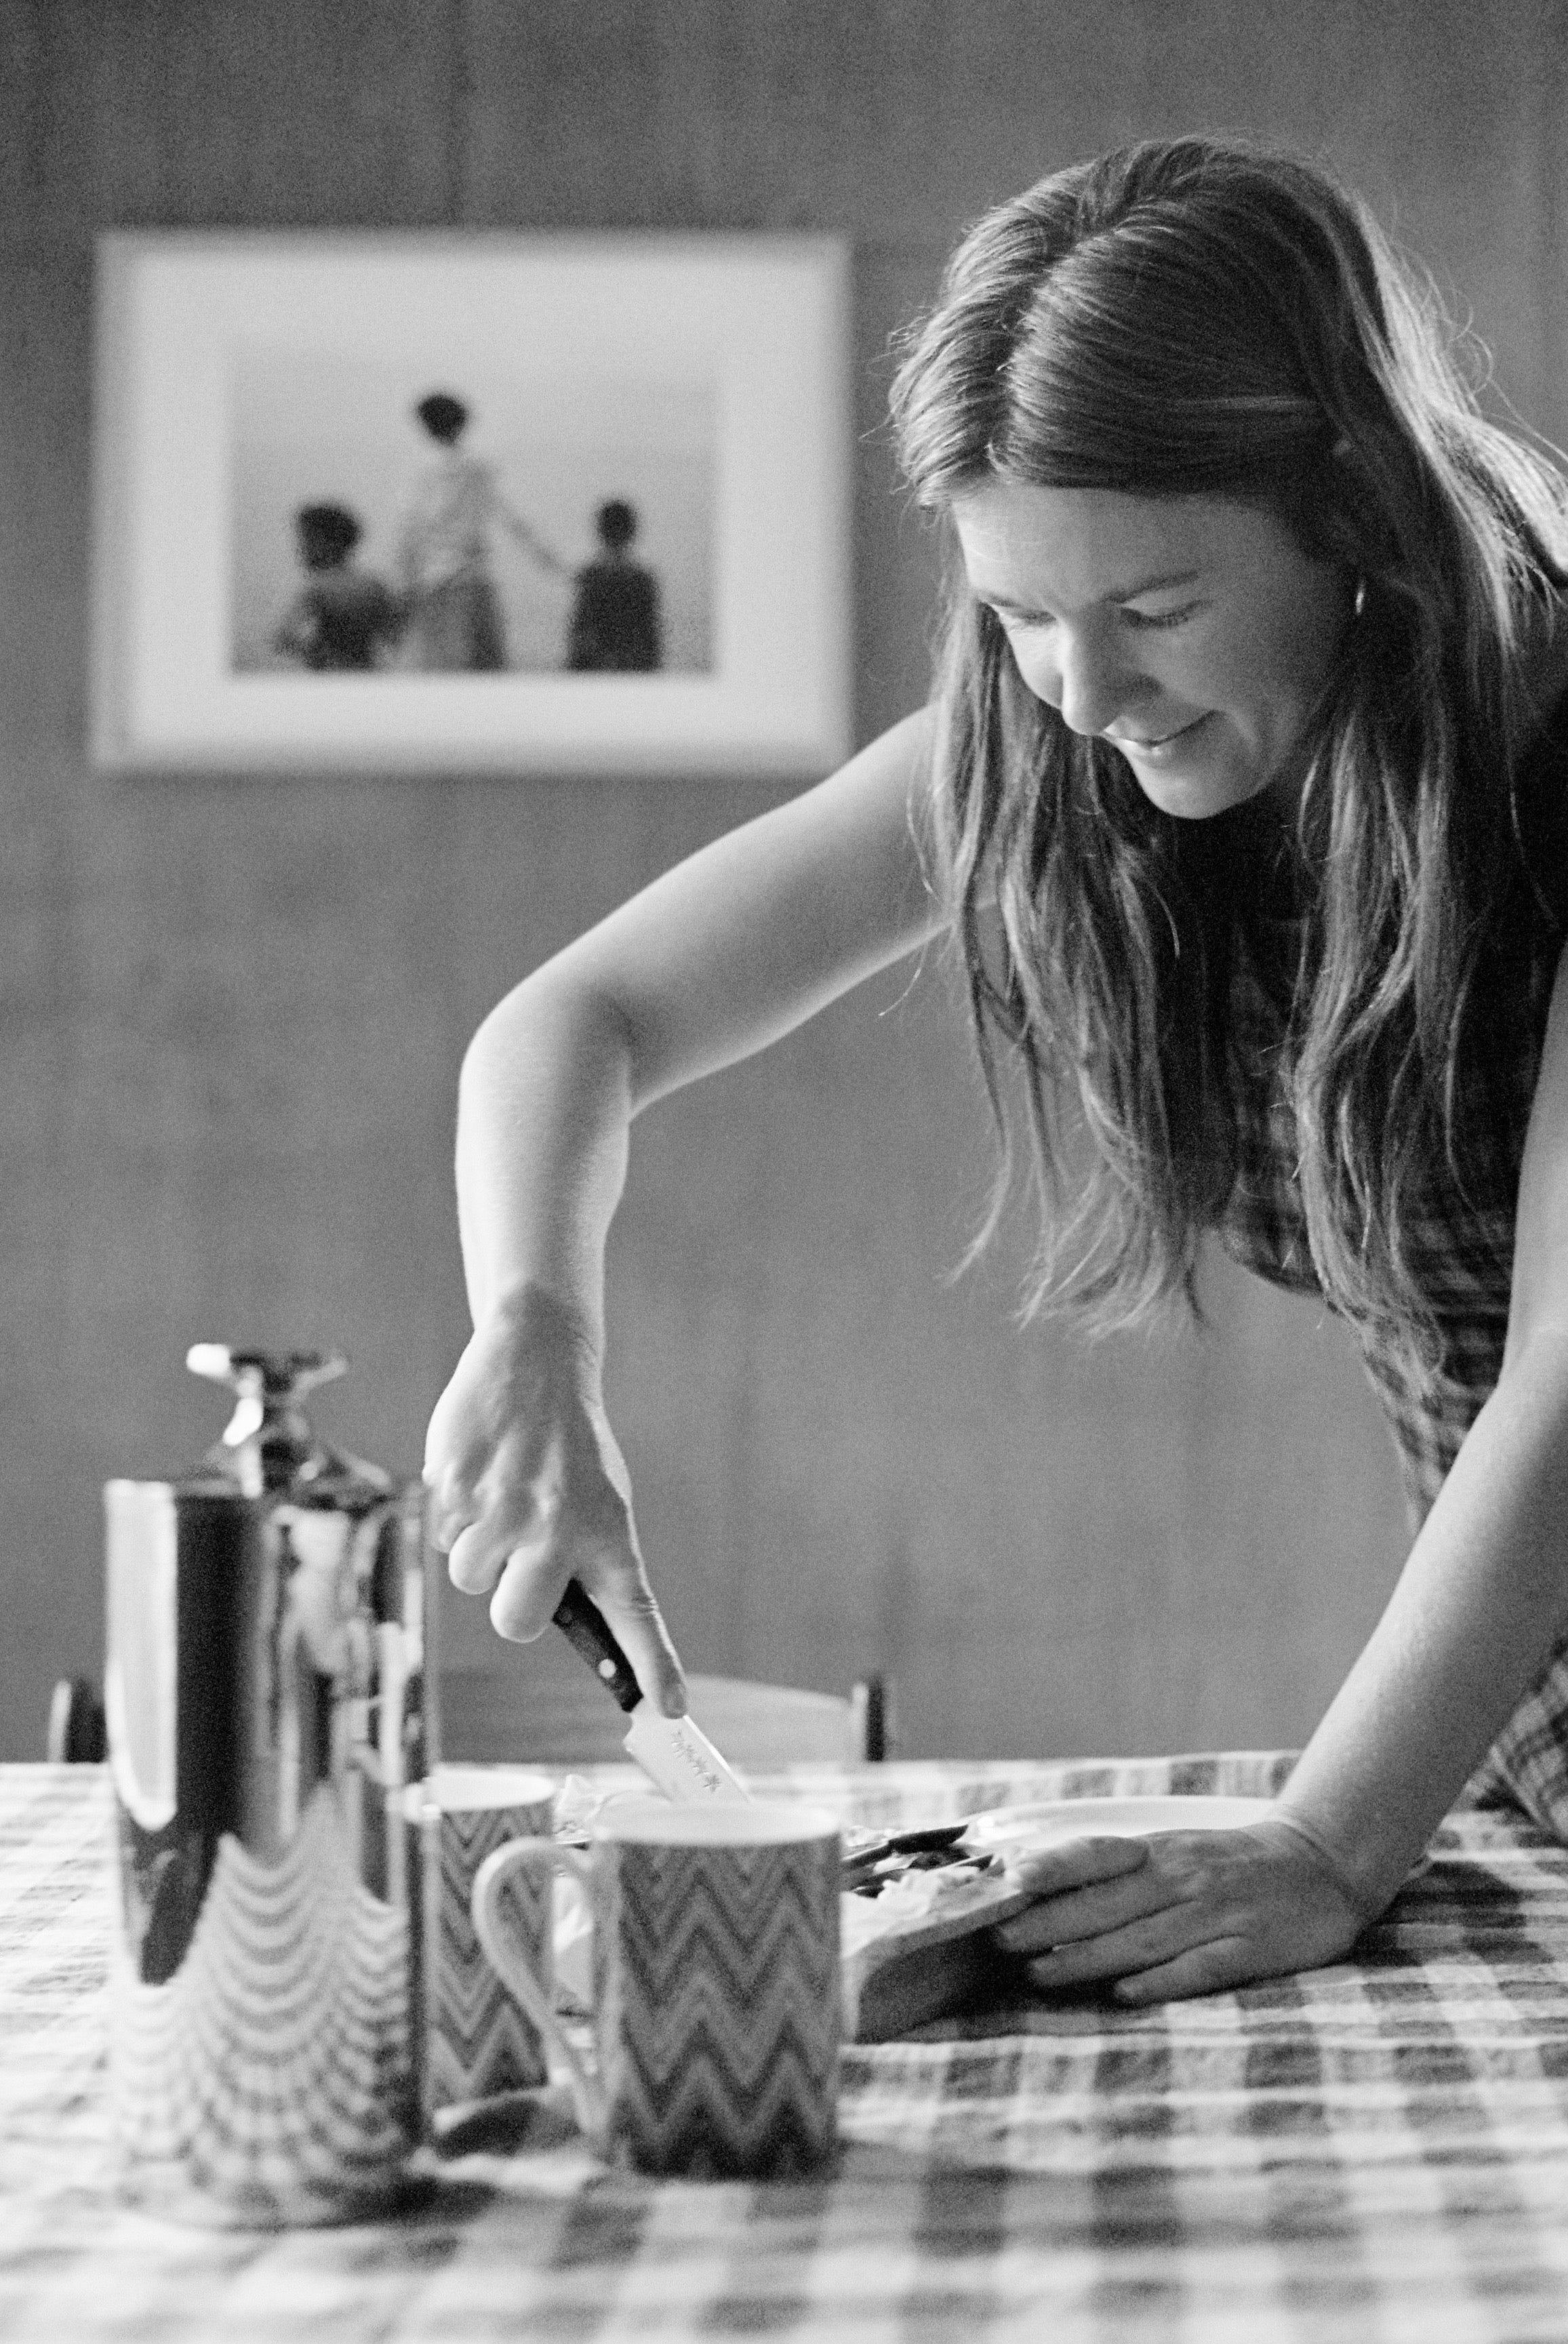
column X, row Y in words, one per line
column 1374, row 2154
column 1466, row 1272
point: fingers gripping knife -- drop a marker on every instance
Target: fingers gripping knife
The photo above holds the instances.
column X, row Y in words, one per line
column 673, row 1750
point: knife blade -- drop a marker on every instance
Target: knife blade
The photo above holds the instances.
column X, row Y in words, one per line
column 674, row 1752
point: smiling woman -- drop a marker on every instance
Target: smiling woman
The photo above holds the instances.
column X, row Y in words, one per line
column 1194, row 634
column 1243, row 800
column 1206, row 361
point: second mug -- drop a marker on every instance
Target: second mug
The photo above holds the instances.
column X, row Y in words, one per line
column 470, row 2040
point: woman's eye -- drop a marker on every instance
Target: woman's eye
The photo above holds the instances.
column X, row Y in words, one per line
column 1146, row 619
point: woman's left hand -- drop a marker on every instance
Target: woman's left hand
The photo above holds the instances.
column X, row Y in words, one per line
column 1183, row 1912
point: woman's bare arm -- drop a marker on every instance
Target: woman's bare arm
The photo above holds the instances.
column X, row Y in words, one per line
column 1482, row 1598
column 1485, row 1589
column 722, row 955
column 718, row 958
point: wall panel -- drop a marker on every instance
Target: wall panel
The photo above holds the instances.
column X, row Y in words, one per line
column 233, row 1011
column 201, row 113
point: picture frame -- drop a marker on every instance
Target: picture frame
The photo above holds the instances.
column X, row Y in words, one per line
column 686, row 394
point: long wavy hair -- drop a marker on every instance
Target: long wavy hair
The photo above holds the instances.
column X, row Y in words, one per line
column 1206, row 317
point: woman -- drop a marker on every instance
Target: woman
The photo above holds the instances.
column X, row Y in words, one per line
column 1241, row 797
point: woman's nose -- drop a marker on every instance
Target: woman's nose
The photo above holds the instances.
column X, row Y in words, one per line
column 1093, row 682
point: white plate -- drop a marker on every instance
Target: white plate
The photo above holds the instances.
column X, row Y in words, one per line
column 1050, row 1822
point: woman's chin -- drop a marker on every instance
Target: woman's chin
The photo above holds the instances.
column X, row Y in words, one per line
column 1198, row 785
column 1198, row 796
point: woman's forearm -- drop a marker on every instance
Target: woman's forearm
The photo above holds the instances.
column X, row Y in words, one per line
column 544, row 1106
column 1478, row 1605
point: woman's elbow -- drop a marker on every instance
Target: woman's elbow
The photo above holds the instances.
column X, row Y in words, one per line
column 553, row 1024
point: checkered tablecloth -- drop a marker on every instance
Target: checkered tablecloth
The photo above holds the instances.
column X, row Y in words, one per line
column 1374, row 2153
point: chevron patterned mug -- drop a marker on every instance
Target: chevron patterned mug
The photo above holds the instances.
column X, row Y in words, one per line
column 471, row 2041
column 715, row 1974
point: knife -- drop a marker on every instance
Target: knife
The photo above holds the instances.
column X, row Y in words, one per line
column 674, row 1750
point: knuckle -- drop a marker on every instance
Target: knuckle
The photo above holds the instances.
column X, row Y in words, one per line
column 538, row 1509
column 638, row 1602
column 518, row 1505
column 446, row 1482
column 448, row 1525
column 1039, row 1874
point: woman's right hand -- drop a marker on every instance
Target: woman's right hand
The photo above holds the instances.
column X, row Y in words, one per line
column 528, row 1487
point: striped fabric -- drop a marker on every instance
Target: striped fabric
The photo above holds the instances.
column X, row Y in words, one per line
column 1378, row 2150
column 1466, row 1272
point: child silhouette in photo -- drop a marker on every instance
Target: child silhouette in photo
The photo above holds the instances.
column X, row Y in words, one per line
column 345, row 617
column 615, row 620
column 454, row 610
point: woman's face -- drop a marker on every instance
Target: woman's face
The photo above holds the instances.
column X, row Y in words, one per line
column 1191, row 632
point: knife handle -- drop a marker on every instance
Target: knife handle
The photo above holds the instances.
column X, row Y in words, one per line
column 583, row 1624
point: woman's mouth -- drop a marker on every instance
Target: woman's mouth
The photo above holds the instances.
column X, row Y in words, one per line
column 1162, row 750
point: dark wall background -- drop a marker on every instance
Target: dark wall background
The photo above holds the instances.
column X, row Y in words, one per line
column 234, row 1010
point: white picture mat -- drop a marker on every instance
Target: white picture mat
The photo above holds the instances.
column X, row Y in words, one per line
column 763, row 317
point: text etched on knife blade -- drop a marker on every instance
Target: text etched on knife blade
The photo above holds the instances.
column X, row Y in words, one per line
column 700, row 1767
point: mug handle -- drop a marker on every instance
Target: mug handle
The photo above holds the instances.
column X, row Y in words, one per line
column 518, row 1975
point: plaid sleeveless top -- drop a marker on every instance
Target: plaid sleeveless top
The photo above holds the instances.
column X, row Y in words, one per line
column 1463, row 1263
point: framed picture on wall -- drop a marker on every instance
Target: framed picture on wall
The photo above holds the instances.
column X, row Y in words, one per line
column 543, row 504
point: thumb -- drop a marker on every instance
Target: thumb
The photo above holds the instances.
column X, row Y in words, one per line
column 621, row 1592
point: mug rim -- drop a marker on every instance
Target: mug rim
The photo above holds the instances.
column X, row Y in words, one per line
column 472, row 1787
column 712, row 1824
